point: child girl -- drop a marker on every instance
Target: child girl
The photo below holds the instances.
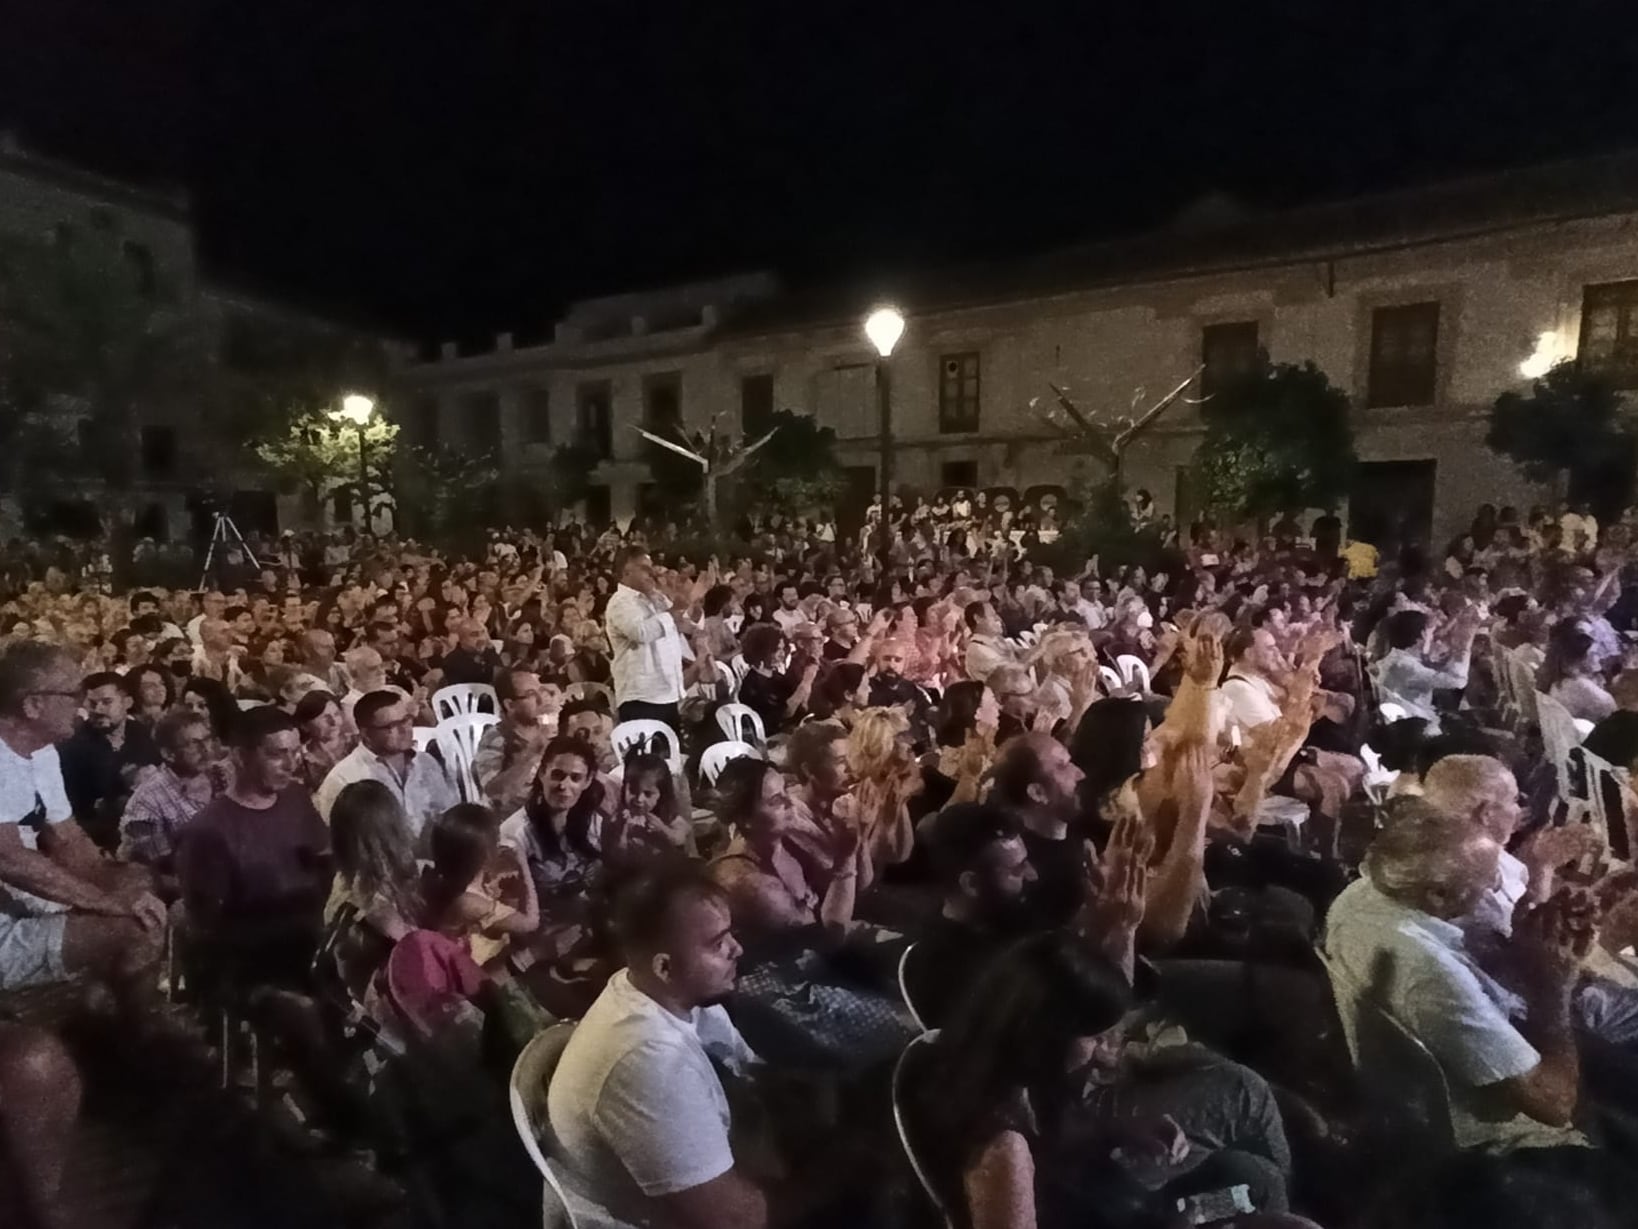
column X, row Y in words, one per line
column 646, row 823
column 461, row 901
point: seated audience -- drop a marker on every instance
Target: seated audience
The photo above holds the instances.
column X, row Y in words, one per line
column 169, row 798
column 105, row 756
column 386, row 753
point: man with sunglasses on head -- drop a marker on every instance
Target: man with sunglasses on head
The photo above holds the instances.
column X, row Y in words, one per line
column 386, row 753
column 65, row 911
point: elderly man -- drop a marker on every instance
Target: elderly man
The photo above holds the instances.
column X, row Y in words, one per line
column 647, row 647
column 1483, row 791
column 386, row 753
column 104, row 757
column 217, row 657
column 67, row 910
column 212, row 606
column 1394, row 938
column 508, row 756
column 318, row 658
column 170, row 796
column 473, row 660
column 368, row 670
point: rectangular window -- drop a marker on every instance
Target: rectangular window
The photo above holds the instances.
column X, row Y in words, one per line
column 1609, row 332
column 756, row 405
column 959, row 473
column 1404, row 355
column 958, row 393
column 537, row 415
column 662, row 404
column 159, row 451
column 420, row 425
column 483, row 425
column 1228, row 352
column 594, row 416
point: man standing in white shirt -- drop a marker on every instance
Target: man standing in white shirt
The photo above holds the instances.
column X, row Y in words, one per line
column 386, row 753
column 640, row 1116
column 646, row 645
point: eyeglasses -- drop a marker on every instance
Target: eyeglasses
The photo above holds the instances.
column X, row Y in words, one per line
column 403, row 723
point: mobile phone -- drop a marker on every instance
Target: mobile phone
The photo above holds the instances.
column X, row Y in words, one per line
column 1214, row 1207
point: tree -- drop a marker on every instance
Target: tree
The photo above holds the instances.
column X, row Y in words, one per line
column 319, row 455
column 451, row 496
column 93, row 345
column 1572, row 422
column 696, row 464
column 1278, row 439
column 796, row 472
column 572, row 466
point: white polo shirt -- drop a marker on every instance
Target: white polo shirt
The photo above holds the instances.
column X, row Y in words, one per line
column 637, row 1109
column 425, row 793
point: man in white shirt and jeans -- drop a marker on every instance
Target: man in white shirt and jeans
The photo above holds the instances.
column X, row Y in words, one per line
column 640, row 1117
column 647, row 648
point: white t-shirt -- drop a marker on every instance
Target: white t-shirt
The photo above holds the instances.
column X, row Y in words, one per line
column 637, row 1109
column 1247, row 702
column 32, row 795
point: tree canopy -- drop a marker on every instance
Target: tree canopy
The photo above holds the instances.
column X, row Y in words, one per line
column 1571, row 422
column 1278, row 439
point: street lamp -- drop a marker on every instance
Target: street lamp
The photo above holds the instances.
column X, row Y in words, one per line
column 357, row 409
column 884, row 327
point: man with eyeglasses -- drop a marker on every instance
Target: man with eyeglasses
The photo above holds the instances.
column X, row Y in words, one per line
column 64, row 909
column 386, row 753
column 508, row 755
column 169, row 798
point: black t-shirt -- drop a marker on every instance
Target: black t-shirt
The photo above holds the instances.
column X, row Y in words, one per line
column 1615, row 739
column 1059, row 882
column 465, row 666
column 948, row 958
column 767, row 695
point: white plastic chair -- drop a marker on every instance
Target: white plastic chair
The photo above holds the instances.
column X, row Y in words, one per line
column 1559, row 737
column 246, row 705
column 576, row 691
column 464, row 698
column 904, row 989
column 906, row 1071
column 458, row 739
column 425, row 736
column 1378, row 780
column 733, row 720
column 643, row 735
column 733, row 622
column 1029, row 637
column 1291, row 814
column 717, row 756
column 1111, row 679
column 1392, row 711
column 526, row 1093
column 1133, row 669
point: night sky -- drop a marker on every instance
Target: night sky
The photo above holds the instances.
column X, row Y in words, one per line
column 444, row 170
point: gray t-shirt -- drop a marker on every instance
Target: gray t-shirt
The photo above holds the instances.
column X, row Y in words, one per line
column 637, row 1109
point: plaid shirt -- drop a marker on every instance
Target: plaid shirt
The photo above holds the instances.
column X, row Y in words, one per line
column 162, row 805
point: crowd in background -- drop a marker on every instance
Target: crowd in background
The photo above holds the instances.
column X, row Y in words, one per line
column 1148, row 882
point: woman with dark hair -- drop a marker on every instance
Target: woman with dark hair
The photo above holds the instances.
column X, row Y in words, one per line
column 1569, row 673
column 1027, row 1113
column 1108, row 746
column 325, row 737
column 214, row 702
column 802, row 982
column 558, row 834
column 771, row 693
column 755, row 607
column 152, row 692
column 840, row 693
column 456, row 899
column 717, row 606
column 964, row 736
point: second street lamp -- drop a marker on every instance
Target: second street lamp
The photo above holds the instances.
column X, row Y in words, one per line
column 357, row 409
column 884, row 327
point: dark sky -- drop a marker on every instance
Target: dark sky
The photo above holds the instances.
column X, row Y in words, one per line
column 447, row 169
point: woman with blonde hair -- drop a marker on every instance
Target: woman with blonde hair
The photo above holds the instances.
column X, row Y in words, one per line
column 886, row 776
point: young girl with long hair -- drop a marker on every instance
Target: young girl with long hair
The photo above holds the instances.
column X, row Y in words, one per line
column 646, row 822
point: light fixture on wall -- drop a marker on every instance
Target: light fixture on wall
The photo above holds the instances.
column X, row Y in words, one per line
column 1549, row 351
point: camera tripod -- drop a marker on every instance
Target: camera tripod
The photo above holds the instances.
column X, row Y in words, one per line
column 224, row 533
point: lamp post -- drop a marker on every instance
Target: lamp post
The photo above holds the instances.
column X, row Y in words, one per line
column 884, row 327
column 357, row 409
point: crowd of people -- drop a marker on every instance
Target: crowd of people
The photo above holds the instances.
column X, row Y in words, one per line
column 1235, row 889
